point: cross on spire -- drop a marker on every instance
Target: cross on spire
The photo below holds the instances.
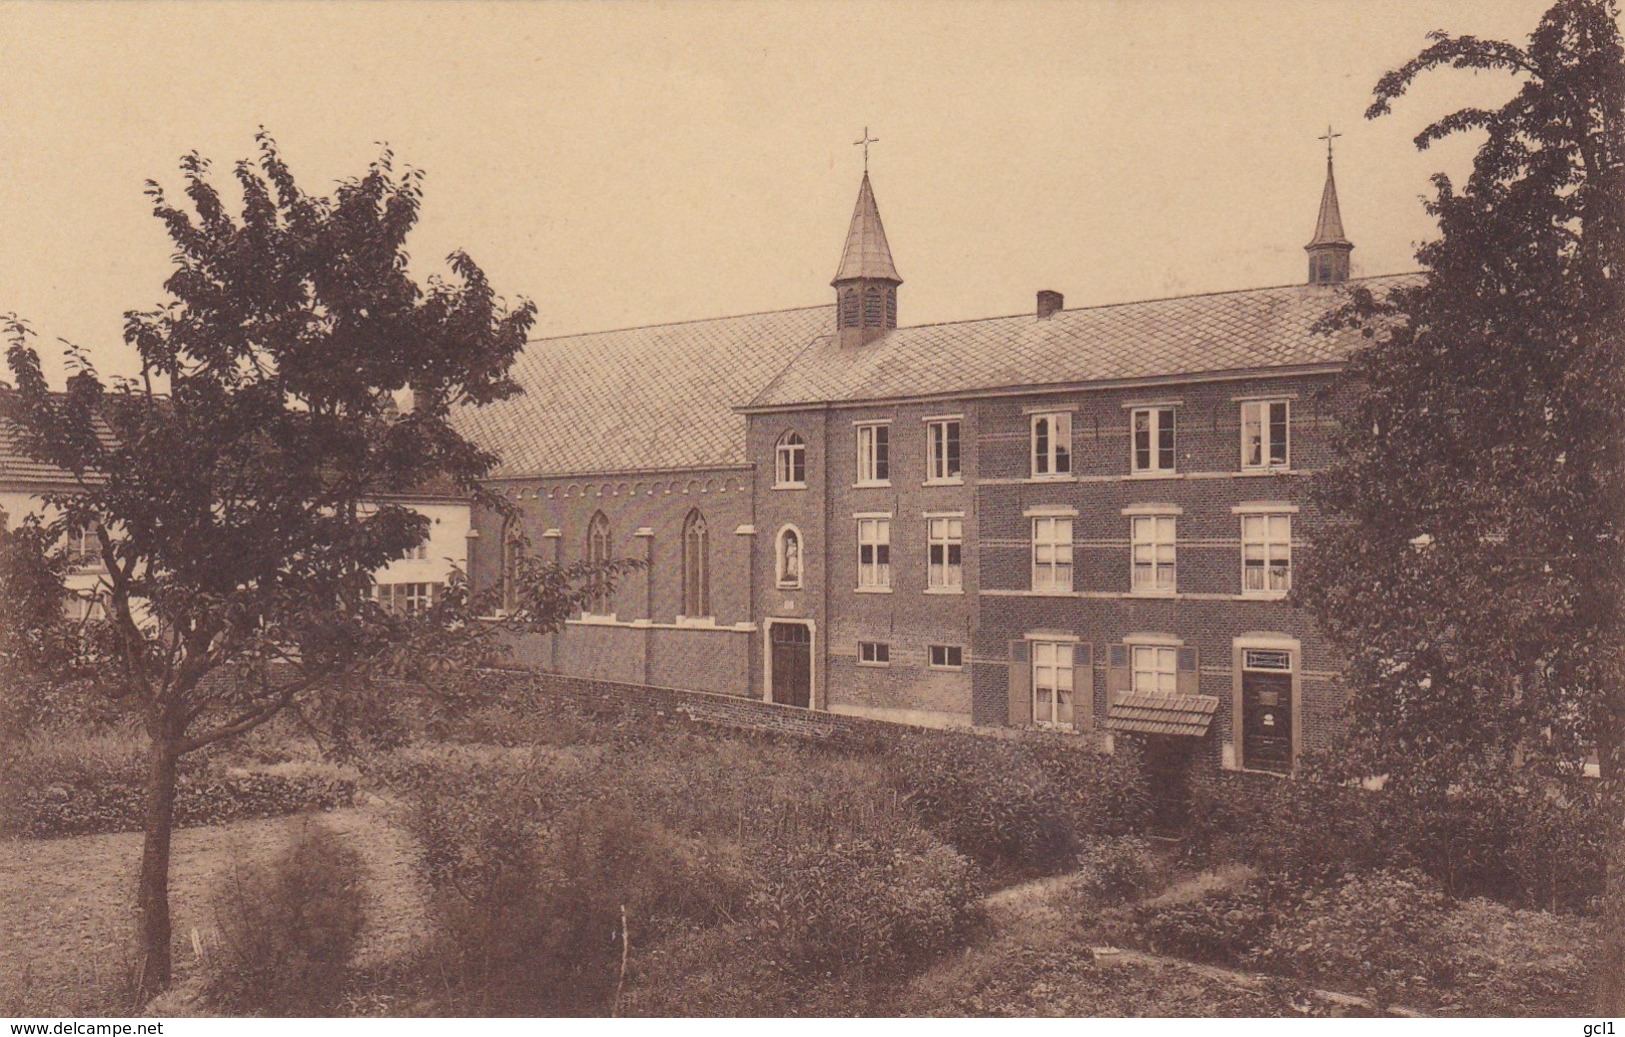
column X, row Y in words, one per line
column 1328, row 138
column 865, row 142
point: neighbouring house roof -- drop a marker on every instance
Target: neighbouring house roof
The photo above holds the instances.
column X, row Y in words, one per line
column 1163, row 714
column 636, row 399
column 1249, row 330
column 18, row 469
column 867, row 255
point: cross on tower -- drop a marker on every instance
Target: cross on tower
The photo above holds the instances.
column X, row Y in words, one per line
column 865, row 142
column 1328, row 138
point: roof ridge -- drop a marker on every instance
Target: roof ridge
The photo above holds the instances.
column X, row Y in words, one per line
column 1160, row 298
column 676, row 323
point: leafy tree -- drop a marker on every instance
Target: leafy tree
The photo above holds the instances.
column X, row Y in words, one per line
column 42, row 651
column 238, row 488
column 1471, row 562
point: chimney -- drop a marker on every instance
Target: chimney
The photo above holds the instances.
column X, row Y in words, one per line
column 1049, row 302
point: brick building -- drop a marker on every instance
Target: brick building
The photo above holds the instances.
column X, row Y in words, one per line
column 1074, row 518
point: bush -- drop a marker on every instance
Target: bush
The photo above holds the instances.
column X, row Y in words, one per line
column 529, row 896
column 79, row 783
column 872, row 903
column 1374, row 929
column 1120, row 868
column 1222, row 928
column 1493, row 830
column 288, row 929
column 990, row 799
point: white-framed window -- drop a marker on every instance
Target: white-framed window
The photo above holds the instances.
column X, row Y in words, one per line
column 1155, row 669
column 1051, row 445
column 1265, row 431
column 419, row 553
column 85, row 549
column 1266, row 553
column 1152, row 439
column 945, row 538
column 874, row 653
column 405, row 599
column 788, row 553
column 1153, row 553
column 874, row 552
column 947, row 657
column 874, row 454
column 942, row 450
column 1052, row 553
column 1052, row 682
column 790, row 461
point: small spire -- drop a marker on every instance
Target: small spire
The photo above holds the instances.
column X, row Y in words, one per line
column 1329, row 225
column 867, row 255
column 1329, row 249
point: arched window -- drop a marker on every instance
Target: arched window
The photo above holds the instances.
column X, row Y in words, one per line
column 788, row 553
column 598, row 552
column 696, row 566
column 513, row 552
column 872, row 311
column 849, row 308
column 791, row 467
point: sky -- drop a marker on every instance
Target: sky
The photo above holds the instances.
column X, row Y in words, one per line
column 639, row 163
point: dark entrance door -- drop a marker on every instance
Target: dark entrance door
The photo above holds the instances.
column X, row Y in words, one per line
column 1167, row 762
column 792, row 664
column 1266, row 724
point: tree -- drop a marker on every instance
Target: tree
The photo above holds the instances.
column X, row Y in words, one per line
column 238, row 488
column 1471, row 563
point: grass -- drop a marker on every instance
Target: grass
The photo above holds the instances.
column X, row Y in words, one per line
column 67, row 905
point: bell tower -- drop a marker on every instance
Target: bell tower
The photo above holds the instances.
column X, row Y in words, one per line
column 866, row 283
column 1329, row 250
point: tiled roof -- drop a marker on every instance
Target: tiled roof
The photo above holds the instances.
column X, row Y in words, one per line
column 640, row 398
column 1230, row 331
column 1163, row 714
column 17, row 468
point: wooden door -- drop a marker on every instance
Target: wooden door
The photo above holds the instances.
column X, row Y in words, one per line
column 792, row 664
column 1266, row 721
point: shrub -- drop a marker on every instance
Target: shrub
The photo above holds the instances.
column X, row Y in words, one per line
column 1120, row 868
column 1373, row 929
column 990, row 799
column 1223, row 928
column 104, row 792
column 872, row 903
column 288, row 929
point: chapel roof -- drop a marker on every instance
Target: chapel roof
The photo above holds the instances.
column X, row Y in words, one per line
column 866, row 255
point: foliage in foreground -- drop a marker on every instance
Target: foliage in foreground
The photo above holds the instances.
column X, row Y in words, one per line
column 288, row 929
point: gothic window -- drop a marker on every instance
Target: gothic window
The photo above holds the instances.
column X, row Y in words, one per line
column 598, row 552
column 513, row 547
column 696, row 566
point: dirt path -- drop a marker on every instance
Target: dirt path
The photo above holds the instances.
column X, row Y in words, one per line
column 67, row 906
column 1038, row 960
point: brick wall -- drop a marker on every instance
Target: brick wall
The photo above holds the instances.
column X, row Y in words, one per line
column 643, row 639
column 1209, row 611
column 907, row 618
